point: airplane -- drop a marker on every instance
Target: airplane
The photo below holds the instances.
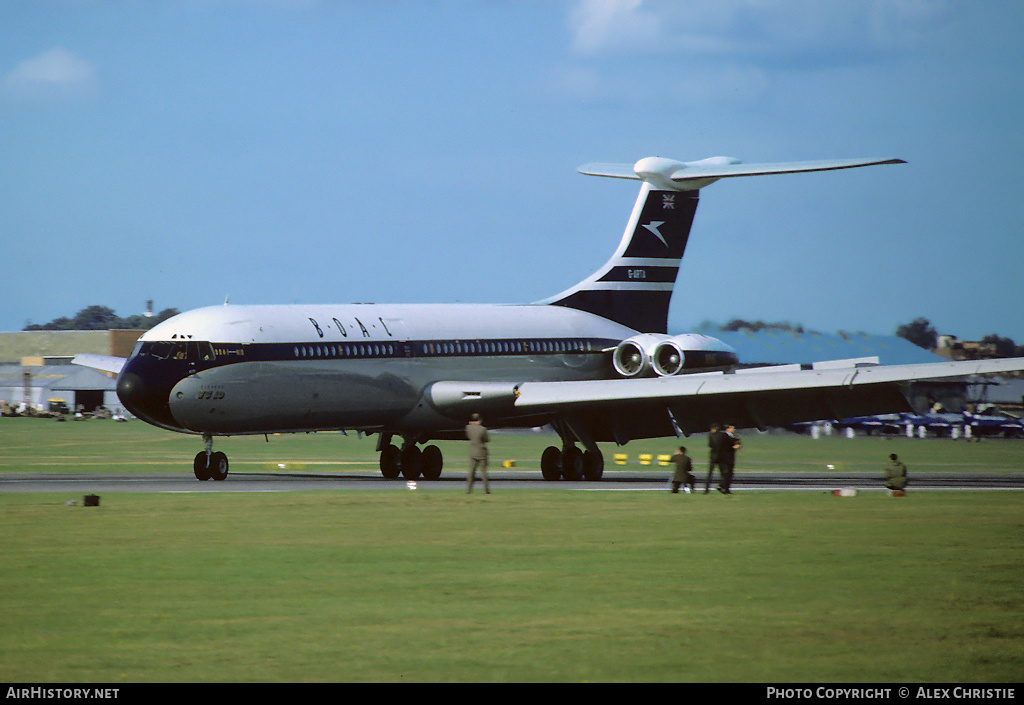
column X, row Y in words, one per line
column 594, row 362
column 885, row 424
column 991, row 422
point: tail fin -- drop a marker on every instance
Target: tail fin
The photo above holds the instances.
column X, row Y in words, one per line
column 634, row 288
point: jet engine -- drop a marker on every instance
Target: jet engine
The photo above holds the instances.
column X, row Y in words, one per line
column 652, row 354
column 691, row 351
column 633, row 356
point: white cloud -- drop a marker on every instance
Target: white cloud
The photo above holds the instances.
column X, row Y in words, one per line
column 753, row 27
column 734, row 51
column 53, row 75
column 598, row 25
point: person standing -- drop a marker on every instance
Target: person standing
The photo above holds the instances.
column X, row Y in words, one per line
column 476, row 432
column 682, row 475
column 716, row 445
column 728, row 462
column 895, row 474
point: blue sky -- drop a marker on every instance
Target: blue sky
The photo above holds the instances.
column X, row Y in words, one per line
column 309, row 151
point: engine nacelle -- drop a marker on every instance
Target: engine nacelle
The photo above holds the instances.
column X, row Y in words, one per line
column 633, row 356
column 651, row 354
column 690, row 352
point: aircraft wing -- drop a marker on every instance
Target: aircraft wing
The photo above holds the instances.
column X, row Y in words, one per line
column 104, row 363
column 623, row 409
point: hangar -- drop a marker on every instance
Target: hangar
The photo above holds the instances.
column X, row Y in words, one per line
column 35, row 367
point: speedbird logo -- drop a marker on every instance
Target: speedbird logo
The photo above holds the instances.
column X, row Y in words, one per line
column 653, row 227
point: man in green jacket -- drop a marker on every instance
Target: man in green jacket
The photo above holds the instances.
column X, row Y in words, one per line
column 895, row 474
column 476, row 432
column 683, row 475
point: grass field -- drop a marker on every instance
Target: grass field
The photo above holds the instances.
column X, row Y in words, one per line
column 520, row 585
column 43, row 445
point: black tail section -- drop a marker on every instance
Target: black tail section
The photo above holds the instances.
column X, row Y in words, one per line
column 634, row 287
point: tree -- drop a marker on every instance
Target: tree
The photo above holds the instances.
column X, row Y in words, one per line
column 738, row 324
column 1004, row 347
column 919, row 332
column 94, row 318
column 103, row 318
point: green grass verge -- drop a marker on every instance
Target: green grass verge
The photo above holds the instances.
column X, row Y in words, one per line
column 44, row 445
column 520, row 585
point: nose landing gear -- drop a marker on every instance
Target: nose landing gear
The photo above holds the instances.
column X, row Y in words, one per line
column 209, row 465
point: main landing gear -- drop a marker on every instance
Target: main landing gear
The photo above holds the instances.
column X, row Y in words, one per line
column 410, row 462
column 567, row 462
column 570, row 463
column 209, row 465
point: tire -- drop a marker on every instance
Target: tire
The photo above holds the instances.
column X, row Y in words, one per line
column 389, row 462
column 551, row 463
column 593, row 466
column 572, row 463
column 218, row 466
column 412, row 462
column 432, row 463
column 200, row 467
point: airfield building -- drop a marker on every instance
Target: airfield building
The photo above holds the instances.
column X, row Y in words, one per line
column 36, row 369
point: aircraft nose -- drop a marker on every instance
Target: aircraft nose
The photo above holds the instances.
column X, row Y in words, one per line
column 145, row 394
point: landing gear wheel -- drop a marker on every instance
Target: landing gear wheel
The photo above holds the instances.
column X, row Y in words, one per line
column 412, row 462
column 572, row 463
column 593, row 465
column 218, row 466
column 389, row 462
column 200, row 466
column 551, row 463
column 432, row 463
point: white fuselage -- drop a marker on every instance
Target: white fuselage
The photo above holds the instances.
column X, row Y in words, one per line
column 228, row 370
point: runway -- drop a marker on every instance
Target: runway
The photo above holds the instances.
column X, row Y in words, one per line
column 613, row 480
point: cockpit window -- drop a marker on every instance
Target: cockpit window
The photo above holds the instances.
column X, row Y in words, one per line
column 192, row 350
column 159, row 350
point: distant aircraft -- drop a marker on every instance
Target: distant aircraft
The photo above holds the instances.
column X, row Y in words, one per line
column 937, row 424
column 889, row 424
column 993, row 423
column 595, row 362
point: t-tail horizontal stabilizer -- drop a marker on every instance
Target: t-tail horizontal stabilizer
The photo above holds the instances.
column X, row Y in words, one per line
column 690, row 176
column 635, row 286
